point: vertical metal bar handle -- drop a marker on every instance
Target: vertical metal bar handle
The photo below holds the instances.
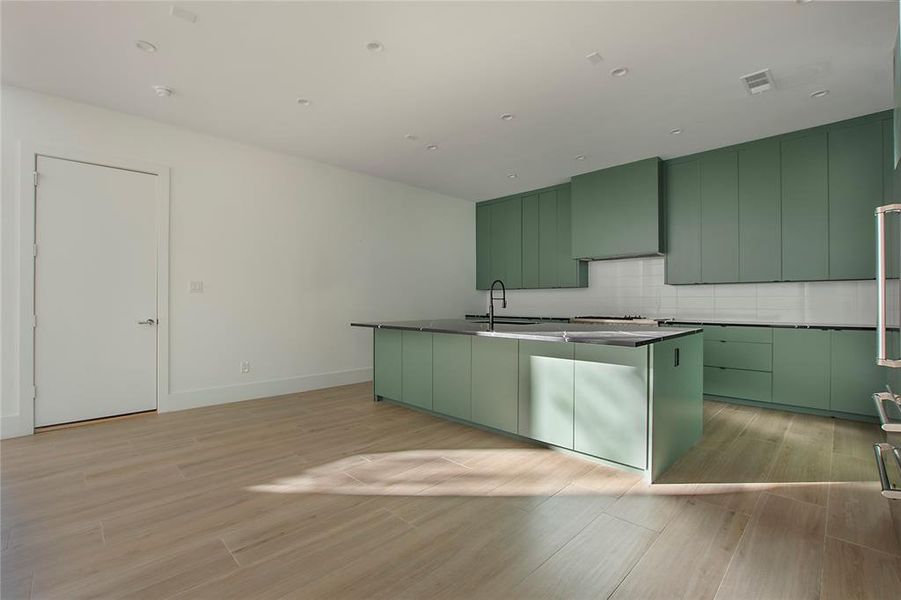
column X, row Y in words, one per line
column 881, row 325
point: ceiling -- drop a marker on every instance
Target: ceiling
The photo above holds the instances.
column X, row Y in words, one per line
column 449, row 70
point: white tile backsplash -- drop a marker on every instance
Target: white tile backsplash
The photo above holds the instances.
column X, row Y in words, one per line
column 636, row 285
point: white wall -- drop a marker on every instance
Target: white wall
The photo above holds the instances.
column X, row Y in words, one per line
column 289, row 250
column 636, row 285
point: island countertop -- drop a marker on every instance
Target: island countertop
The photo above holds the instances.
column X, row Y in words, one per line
column 610, row 334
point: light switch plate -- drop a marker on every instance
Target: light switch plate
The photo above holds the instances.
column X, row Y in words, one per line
column 196, row 287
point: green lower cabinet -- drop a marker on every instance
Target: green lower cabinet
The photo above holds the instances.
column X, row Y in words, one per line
column 495, row 367
column 801, row 363
column 452, row 375
column 738, row 355
column 546, row 392
column 388, row 360
column 738, row 383
column 417, row 369
column 611, row 403
column 855, row 376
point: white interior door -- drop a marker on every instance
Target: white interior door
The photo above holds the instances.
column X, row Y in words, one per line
column 95, row 280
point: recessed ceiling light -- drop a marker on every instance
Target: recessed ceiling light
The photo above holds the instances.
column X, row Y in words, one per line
column 162, row 91
column 675, row 131
column 145, row 46
column 431, row 147
column 411, row 137
column 819, row 93
column 619, row 71
column 303, row 101
column 512, row 175
column 803, row 1
column 507, row 117
column 580, row 157
column 375, row 46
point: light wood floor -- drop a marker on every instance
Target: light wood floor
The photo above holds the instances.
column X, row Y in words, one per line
column 329, row 495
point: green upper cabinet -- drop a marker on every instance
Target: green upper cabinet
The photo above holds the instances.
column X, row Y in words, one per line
column 483, row 246
column 683, row 222
column 794, row 207
column 531, row 220
column 525, row 242
column 616, row 212
column 759, row 212
column 570, row 273
column 719, row 216
column 805, row 207
column 855, row 190
column 506, row 242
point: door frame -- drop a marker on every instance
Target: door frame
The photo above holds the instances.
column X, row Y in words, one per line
column 28, row 156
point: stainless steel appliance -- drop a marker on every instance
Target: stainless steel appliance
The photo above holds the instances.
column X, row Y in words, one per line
column 888, row 320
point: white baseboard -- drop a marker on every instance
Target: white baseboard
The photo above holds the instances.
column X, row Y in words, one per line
column 261, row 389
column 11, row 426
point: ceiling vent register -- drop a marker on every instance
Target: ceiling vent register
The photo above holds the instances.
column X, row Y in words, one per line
column 759, row 82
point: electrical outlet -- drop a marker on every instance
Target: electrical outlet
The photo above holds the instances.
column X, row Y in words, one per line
column 245, row 366
column 196, row 287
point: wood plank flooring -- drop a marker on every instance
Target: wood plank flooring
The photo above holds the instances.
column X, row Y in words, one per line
column 329, row 495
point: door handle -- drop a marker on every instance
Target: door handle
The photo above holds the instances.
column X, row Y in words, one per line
column 882, row 358
column 147, row 322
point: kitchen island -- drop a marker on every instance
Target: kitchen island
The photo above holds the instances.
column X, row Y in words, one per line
column 629, row 395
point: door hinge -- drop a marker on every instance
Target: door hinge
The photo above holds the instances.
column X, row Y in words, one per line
column 34, row 249
column 34, row 392
column 34, row 321
column 35, row 174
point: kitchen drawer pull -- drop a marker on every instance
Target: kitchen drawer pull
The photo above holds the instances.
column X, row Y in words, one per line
column 888, row 491
column 888, row 423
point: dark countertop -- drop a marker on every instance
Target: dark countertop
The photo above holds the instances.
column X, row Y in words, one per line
column 701, row 322
column 612, row 334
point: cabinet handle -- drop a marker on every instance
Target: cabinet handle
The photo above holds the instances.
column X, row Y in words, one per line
column 888, row 491
column 881, row 354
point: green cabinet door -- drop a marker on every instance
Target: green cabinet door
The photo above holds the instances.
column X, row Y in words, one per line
column 719, row 216
column 759, row 212
column 616, row 211
column 416, row 372
column 452, row 375
column 547, row 239
column 388, row 361
column 495, row 366
column 611, row 403
column 889, row 193
column 801, row 362
column 570, row 272
column 805, row 207
column 546, row 392
column 531, row 243
column 483, row 246
column 506, row 242
column 855, row 190
column 855, row 376
column 683, row 222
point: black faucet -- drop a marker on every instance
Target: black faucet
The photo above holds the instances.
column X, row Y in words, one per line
column 491, row 300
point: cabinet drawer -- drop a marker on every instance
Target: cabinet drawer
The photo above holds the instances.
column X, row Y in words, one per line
column 737, row 383
column 728, row 333
column 738, row 355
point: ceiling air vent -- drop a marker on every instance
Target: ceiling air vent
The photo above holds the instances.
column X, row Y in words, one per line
column 759, row 82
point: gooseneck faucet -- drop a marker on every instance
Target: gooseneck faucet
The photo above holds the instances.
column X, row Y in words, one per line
column 491, row 300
